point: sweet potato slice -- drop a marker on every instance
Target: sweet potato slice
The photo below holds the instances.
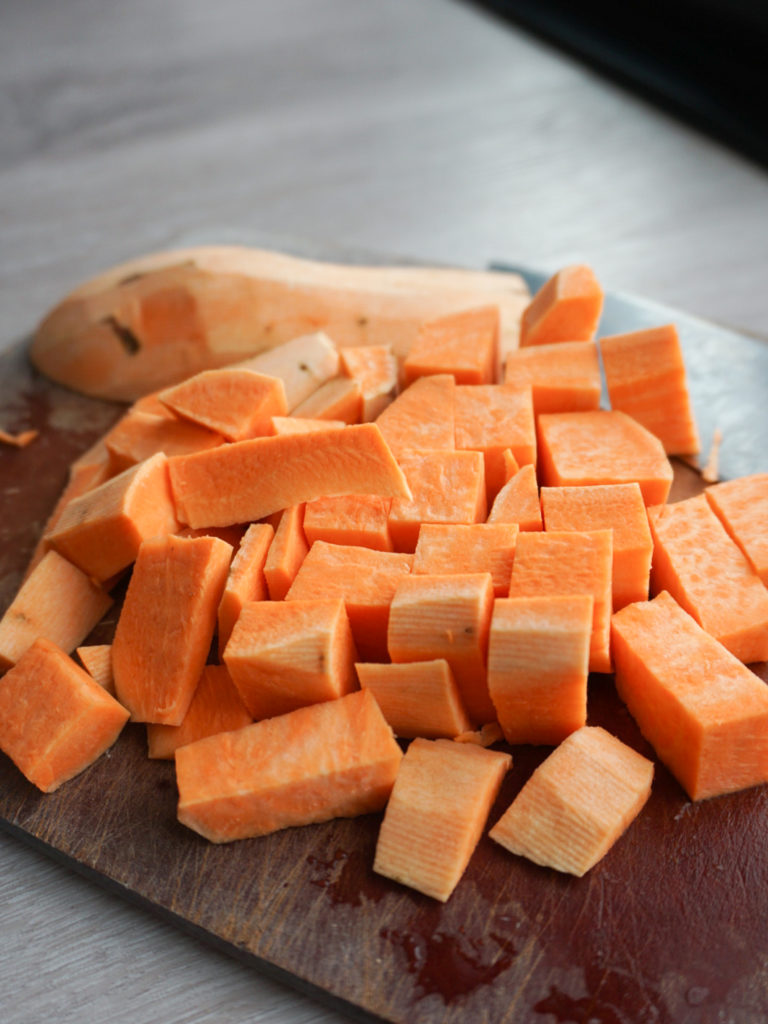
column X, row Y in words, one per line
column 283, row 655
column 361, row 520
column 340, row 398
column 248, row 480
column 464, row 344
column 480, row 547
column 287, row 551
column 57, row 601
column 329, row 760
column 577, row 803
column 246, row 580
column 563, row 376
column 741, row 505
column 704, row 570
column 375, row 367
column 235, row 402
column 703, row 711
column 54, row 719
column 166, row 625
column 436, row 814
column 419, row 698
column 138, row 435
column 518, row 502
column 538, row 664
column 567, row 307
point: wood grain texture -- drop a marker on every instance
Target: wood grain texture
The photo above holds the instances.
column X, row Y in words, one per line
column 423, row 130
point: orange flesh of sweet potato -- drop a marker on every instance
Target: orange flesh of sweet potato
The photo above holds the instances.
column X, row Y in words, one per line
column 577, row 803
column 422, row 417
column 338, row 399
column 246, row 580
column 358, row 519
column 376, row 368
column 563, row 377
column 435, row 816
column 283, row 655
column 518, row 501
column 603, row 446
column 139, row 435
column 538, row 663
column 464, row 344
column 57, row 601
column 215, row 707
column 302, row 424
column 287, row 551
column 248, row 480
column 329, row 760
column 166, row 625
column 235, row 402
column 742, row 507
column 419, row 698
column 566, row 308
column 54, row 719
column 97, row 661
column 703, row 711
column 618, row 507
column 102, row 530
column 704, row 570
column 447, row 616
column 479, row 547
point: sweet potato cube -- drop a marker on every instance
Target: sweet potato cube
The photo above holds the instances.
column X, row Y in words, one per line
column 235, row 402
column 364, row 579
column 54, row 719
column 361, row 520
column 340, row 398
column 479, row 547
column 447, row 616
column 102, row 530
column 645, row 377
column 602, row 446
column 287, row 551
column 166, row 625
column 706, row 573
column 215, row 707
column 138, row 435
column 57, row 601
column 283, row 655
column 246, row 580
column 493, row 418
column 567, row 307
column 617, row 507
column 538, row 664
column 565, row 563
column 741, row 505
column 375, row 367
column 563, row 376
column 436, row 814
column 703, row 711
column 330, row 760
column 577, row 803
column 446, row 487
column 518, row 502
column 464, row 344
column 422, row 417
column 417, row 698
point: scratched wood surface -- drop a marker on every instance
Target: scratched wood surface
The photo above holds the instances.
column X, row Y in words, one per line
column 668, row 927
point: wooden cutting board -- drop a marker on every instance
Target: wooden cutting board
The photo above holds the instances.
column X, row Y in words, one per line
column 669, row 927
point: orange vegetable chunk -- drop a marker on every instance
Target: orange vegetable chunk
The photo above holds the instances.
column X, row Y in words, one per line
column 57, row 601
column 364, row 579
column 563, row 376
column 235, row 402
column 518, row 501
column 418, row 698
column 375, row 366
column 570, row 562
column 436, row 814
column 603, row 446
column 302, row 424
column 166, row 625
column 248, row 480
column 246, row 580
column 494, row 418
column 422, row 417
column 464, row 344
column 704, row 570
column 645, row 377
column 741, row 505
column 358, row 519
column 139, row 435
column 55, row 720
column 577, row 803
column 102, row 530
column 446, row 487
column 617, row 507
column 340, row 398
column 703, row 711
column 538, row 664
column 303, row 364
column 97, row 661
column 567, row 307
column 285, row 654
column 329, row 760
column 479, row 547
column 215, row 707
column 287, row 551
column 447, row 616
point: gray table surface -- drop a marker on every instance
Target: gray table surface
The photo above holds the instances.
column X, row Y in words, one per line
column 420, row 129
